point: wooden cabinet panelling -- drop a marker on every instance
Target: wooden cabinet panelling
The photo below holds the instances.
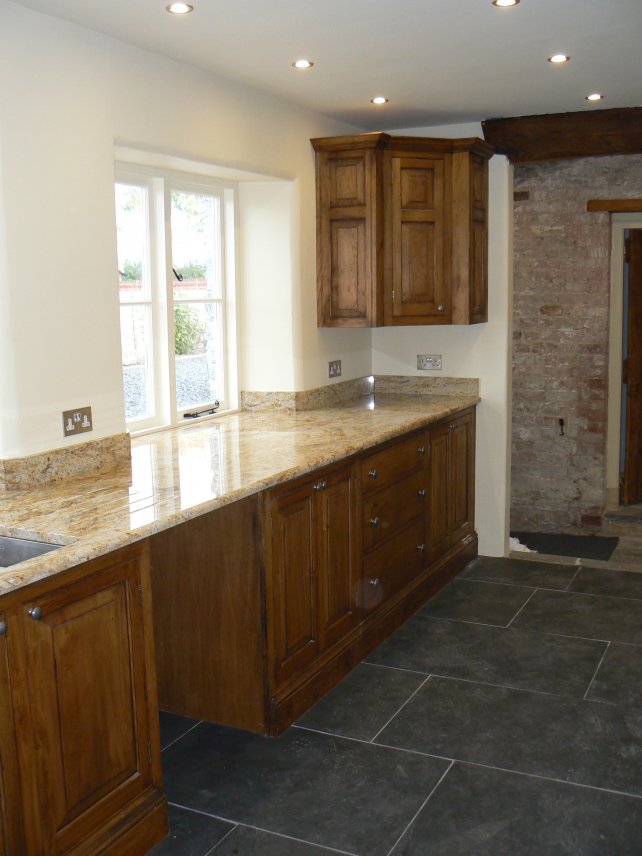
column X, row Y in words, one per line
column 11, row 837
column 401, row 230
column 451, row 489
column 85, row 713
column 275, row 614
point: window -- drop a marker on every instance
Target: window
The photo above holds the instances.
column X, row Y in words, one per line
column 176, row 284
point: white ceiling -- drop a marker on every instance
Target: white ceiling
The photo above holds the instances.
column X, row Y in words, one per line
column 438, row 61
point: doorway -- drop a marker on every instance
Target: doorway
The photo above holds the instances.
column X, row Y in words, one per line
column 624, row 440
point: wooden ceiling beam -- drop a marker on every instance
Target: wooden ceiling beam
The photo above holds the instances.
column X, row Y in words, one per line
column 615, row 206
column 555, row 136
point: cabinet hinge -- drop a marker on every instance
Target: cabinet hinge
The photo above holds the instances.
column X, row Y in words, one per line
column 627, row 250
column 149, row 752
column 140, row 595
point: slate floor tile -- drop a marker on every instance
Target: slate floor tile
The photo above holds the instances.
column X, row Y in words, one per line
column 363, row 702
column 191, row 834
column 479, row 602
column 487, row 812
column 520, row 572
column 589, row 616
column 614, row 583
column 173, row 726
column 313, row 787
column 619, row 678
column 562, row 738
column 244, row 841
column 493, row 655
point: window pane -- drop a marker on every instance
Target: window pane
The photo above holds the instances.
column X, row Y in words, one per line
column 198, row 340
column 196, row 245
column 136, row 343
column 132, row 232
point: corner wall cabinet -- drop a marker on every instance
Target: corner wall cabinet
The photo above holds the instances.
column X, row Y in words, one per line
column 252, row 631
column 401, row 230
column 80, row 746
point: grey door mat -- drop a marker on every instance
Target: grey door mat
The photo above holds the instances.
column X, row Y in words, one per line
column 579, row 546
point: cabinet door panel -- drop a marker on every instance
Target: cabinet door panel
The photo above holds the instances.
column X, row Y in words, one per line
column 337, row 544
column 438, row 519
column 348, row 268
column 87, row 695
column 294, row 571
column 11, row 842
column 461, row 479
column 417, row 226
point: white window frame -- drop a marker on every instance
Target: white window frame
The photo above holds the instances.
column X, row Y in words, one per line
column 159, row 185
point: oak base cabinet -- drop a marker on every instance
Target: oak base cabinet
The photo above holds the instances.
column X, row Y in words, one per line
column 261, row 606
column 84, row 710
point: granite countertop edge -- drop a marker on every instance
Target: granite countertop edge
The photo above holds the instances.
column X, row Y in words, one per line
column 102, row 539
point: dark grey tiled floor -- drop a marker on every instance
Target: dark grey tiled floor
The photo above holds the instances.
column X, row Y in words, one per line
column 504, row 718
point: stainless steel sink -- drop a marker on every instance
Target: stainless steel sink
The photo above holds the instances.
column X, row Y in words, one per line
column 15, row 550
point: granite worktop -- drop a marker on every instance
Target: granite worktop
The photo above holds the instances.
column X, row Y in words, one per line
column 178, row 474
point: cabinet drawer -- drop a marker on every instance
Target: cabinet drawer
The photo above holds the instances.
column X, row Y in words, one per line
column 392, row 565
column 389, row 510
column 394, row 463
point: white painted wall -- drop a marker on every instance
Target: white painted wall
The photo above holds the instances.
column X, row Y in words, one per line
column 67, row 96
column 481, row 350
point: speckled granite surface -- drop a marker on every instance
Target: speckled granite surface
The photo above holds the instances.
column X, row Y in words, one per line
column 178, row 474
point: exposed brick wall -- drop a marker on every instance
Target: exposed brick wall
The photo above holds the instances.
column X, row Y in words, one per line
column 560, row 347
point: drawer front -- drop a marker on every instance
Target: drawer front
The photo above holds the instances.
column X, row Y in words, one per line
column 389, row 510
column 394, row 463
column 392, row 565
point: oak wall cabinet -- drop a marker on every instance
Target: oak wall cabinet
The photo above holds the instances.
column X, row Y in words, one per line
column 402, row 230
column 78, row 720
column 263, row 605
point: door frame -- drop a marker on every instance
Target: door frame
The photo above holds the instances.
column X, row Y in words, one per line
column 619, row 224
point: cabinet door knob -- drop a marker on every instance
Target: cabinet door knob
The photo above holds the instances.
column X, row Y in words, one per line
column 421, row 491
column 36, row 613
column 421, row 548
column 322, row 485
column 452, row 426
column 375, row 582
column 373, row 474
column 374, row 521
column 421, row 450
column 440, row 308
column 3, row 628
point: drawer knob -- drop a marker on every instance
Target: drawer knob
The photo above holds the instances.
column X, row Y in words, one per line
column 375, row 582
column 452, row 426
column 374, row 521
column 36, row 613
column 373, row 474
column 421, row 548
column 421, row 491
column 322, row 485
column 421, row 450
column 3, row 628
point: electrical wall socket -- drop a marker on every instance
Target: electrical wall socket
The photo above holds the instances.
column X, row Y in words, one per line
column 334, row 368
column 77, row 421
column 428, row 361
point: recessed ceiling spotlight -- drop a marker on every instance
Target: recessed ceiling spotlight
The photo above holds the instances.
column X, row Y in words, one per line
column 302, row 63
column 179, row 8
column 558, row 59
column 594, row 96
column 379, row 99
column 505, row 3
